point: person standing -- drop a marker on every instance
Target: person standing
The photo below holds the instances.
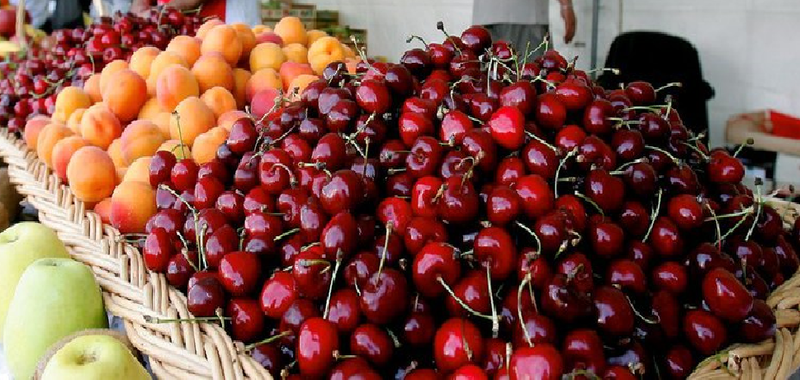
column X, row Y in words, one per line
column 230, row 11
column 521, row 21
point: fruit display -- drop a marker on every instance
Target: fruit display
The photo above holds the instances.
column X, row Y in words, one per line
column 466, row 213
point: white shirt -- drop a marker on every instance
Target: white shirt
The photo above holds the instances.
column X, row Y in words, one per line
column 527, row 12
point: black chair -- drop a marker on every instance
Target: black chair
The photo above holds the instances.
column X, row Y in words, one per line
column 661, row 59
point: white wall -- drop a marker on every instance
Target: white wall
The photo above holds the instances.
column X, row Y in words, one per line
column 749, row 49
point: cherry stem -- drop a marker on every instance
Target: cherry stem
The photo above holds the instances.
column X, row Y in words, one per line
column 395, row 340
column 312, row 262
column 716, row 223
column 266, row 341
column 393, row 171
column 582, row 373
column 668, row 85
column 292, row 178
column 729, row 232
column 495, row 319
column 285, row 234
column 668, row 154
column 201, row 249
column 744, row 212
column 180, row 133
column 520, row 289
column 642, row 317
column 591, row 202
column 653, row 215
column 415, row 37
column 440, row 26
column 185, row 254
column 479, row 121
column 696, row 149
column 466, row 307
column 307, row 246
column 645, row 108
column 621, row 169
column 533, row 234
column 749, row 142
column 758, row 209
column 561, row 163
column 389, row 227
column 351, row 141
column 541, row 140
column 333, row 280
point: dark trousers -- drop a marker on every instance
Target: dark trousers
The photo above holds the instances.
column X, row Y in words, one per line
column 519, row 35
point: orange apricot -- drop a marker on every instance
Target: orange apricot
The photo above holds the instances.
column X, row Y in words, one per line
column 191, row 118
column 126, row 97
column 324, row 51
column 296, row 53
column 206, row 144
column 299, row 84
column 74, row 122
column 211, row 70
column 291, row 70
column 107, row 75
column 313, row 35
column 32, row 129
column 203, row 30
column 175, row 147
column 91, row 174
column 185, row 46
column 139, row 170
column 246, row 36
column 223, row 39
column 62, row 153
column 142, row 59
column 175, row 84
column 266, row 55
column 115, row 152
column 219, row 100
column 99, row 126
column 132, row 205
column 227, row 119
column 162, row 121
column 103, row 210
column 141, row 138
column 258, row 29
column 68, row 100
column 291, row 30
column 150, row 109
column 92, row 88
column 240, row 77
column 48, row 137
column 261, row 80
column 164, row 60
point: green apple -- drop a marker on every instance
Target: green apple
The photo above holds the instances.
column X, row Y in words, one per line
column 54, row 298
column 20, row 245
column 94, row 357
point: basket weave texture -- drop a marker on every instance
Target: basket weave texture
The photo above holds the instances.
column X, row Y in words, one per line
column 205, row 351
column 130, row 291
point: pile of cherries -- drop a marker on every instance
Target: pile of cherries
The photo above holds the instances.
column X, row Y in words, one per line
column 31, row 80
column 470, row 214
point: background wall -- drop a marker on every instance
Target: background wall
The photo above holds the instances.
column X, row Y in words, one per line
column 749, row 49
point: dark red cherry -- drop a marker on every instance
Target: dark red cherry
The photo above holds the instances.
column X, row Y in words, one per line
column 704, row 331
column 614, row 312
column 758, row 325
column 583, row 348
column 726, row 297
column 457, row 342
column 372, row 343
column 205, row 297
column 507, row 127
column 317, row 343
column 540, row 362
column 247, row 320
column 278, row 294
column 670, row 276
column 384, row 297
column 344, row 310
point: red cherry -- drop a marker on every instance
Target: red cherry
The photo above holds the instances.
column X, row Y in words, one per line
column 726, row 297
column 507, row 127
column 457, row 342
column 157, row 250
column 670, row 276
column 540, row 362
column 614, row 312
column 247, row 321
column 536, row 195
column 372, row 343
column 278, row 294
column 704, row 331
column 494, row 248
column 679, row 362
column 239, row 273
column 205, row 297
column 583, row 348
column 384, row 296
column 317, row 343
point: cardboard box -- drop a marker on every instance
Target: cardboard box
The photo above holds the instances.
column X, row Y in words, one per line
column 307, row 13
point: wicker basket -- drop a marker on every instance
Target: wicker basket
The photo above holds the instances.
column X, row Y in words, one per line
column 192, row 351
column 175, row 350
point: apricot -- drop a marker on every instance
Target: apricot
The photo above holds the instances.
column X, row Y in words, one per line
column 141, row 138
column 203, row 30
column 227, row 119
column 164, row 60
column 162, row 121
column 185, row 46
column 266, row 55
column 348, row 52
column 92, row 88
column 258, row 29
column 219, row 100
column 142, row 59
column 62, row 153
column 211, row 70
column 240, row 79
column 150, row 109
column 291, row 70
column 99, row 126
column 132, row 205
column 115, row 152
column 206, row 144
column 269, row 37
column 32, row 129
column 313, row 35
column 107, row 75
column 291, row 30
column 68, row 100
column 223, row 39
column 175, row 147
column 324, row 51
column 299, row 84
column 246, row 36
column 127, row 96
column 138, row 171
column 191, row 118
column 262, row 80
column 48, row 137
column 74, row 122
column 103, row 210
column 175, row 84
column 296, row 53
column 91, row 174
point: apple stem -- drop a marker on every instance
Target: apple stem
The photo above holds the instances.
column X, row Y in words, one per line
column 533, row 234
column 520, row 289
column 541, row 140
column 495, row 319
column 758, row 206
column 561, row 163
column 653, row 215
column 466, row 307
column 738, row 150
column 333, row 280
column 389, row 227
column 668, row 85
column 591, row 202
